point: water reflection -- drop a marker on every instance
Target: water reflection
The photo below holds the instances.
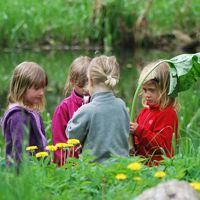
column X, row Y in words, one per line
column 56, row 64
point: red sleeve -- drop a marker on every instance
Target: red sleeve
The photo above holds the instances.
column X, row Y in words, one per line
column 59, row 124
column 161, row 135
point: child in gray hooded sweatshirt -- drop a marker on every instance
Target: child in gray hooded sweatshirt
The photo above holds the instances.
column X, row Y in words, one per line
column 102, row 125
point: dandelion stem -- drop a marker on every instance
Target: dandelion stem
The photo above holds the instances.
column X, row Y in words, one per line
column 64, row 157
column 73, row 151
column 61, row 157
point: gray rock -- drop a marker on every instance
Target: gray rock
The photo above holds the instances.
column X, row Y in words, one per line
column 170, row 190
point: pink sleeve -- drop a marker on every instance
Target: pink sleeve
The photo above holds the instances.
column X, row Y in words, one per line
column 59, row 124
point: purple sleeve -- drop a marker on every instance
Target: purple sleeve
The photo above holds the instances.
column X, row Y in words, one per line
column 17, row 124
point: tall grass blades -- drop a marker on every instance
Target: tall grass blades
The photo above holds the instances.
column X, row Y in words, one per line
column 26, row 23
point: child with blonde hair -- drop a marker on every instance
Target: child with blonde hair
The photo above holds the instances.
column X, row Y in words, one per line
column 157, row 121
column 77, row 78
column 22, row 118
column 102, row 125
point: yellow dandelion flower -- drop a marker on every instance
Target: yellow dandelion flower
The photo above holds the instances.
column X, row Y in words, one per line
column 73, row 141
column 41, row 154
column 195, row 185
column 137, row 178
column 31, row 148
column 51, row 148
column 61, row 145
column 160, row 174
column 135, row 166
column 120, row 176
column 69, row 145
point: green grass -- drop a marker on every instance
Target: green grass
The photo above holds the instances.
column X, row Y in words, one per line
column 83, row 180
column 26, row 23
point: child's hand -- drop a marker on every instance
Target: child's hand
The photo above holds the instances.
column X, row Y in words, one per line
column 132, row 151
column 133, row 126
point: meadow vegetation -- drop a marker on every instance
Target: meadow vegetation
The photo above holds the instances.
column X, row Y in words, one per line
column 119, row 178
column 107, row 23
column 43, row 24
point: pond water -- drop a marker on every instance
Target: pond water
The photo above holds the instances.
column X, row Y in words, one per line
column 56, row 64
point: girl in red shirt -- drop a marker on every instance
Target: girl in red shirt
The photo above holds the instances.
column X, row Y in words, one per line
column 157, row 121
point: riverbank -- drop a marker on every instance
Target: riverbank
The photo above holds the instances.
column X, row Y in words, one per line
column 89, row 24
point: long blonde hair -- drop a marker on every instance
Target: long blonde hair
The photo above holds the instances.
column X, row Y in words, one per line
column 160, row 77
column 104, row 70
column 25, row 76
column 77, row 73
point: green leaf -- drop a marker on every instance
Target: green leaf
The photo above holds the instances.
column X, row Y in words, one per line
column 184, row 72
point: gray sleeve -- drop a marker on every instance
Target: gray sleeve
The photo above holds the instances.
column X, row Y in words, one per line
column 77, row 127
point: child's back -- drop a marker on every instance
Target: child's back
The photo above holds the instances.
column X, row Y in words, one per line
column 102, row 125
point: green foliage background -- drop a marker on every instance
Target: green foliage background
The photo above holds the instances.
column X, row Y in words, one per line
column 25, row 23
column 38, row 24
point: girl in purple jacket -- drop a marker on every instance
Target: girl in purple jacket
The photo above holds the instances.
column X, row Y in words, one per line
column 77, row 78
column 22, row 123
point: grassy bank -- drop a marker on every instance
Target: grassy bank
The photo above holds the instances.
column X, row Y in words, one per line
column 65, row 23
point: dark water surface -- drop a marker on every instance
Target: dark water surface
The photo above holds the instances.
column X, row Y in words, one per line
column 56, row 64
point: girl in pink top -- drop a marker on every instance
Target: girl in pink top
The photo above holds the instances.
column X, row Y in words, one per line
column 77, row 79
